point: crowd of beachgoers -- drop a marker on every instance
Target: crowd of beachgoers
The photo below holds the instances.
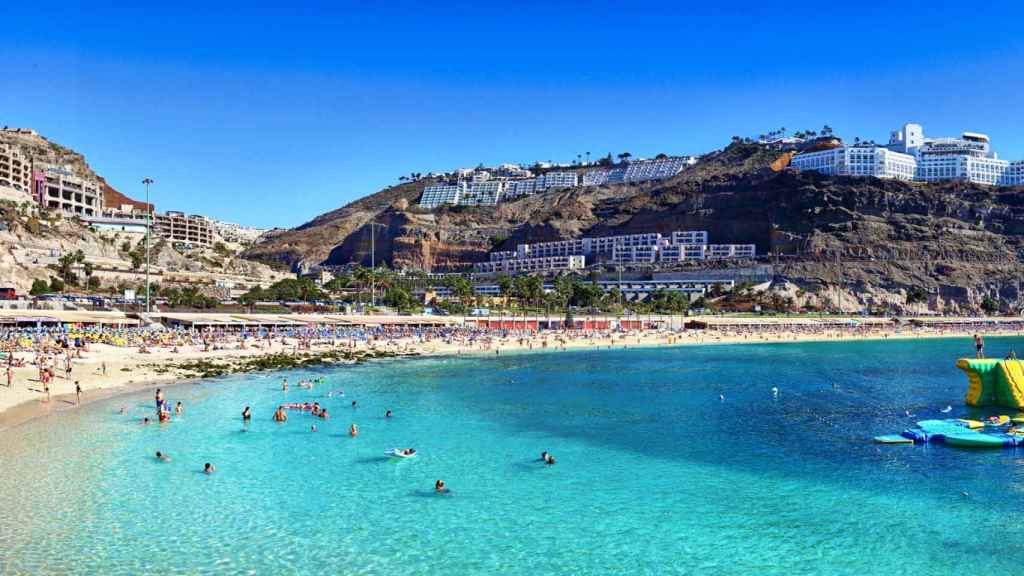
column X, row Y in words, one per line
column 44, row 361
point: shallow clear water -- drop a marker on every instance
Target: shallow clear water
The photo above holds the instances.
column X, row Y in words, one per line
column 655, row 473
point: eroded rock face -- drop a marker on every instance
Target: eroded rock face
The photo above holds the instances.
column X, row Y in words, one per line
column 869, row 240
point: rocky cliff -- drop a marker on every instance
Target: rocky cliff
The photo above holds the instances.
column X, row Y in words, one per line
column 861, row 240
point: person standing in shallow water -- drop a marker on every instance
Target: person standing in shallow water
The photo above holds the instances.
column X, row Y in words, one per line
column 979, row 346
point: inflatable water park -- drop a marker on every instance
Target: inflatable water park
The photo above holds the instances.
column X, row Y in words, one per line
column 989, row 383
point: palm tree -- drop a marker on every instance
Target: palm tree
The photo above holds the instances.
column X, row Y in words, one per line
column 504, row 283
column 363, row 276
column 189, row 295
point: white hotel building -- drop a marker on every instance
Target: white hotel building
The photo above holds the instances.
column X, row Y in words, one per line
column 909, row 155
column 860, row 160
column 521, row 265
column 648, row 248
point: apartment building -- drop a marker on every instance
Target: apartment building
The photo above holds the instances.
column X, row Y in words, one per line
column 513, row 171
column 440, row 194
column 721, row 251
column 557, row 180
column 237, row 233
column 602, row 245
column 1015, row 173
column 643, row 254
column 639, row 171
column 675, row 253
column 58, row 188
column 520, row 188
column 500, row 255
column 648, row 248
column 526, row 265
column 658, row 169
column 595, row 177
column 189, row 229
column 482, row 192
column 15, row 169
column 689, row 237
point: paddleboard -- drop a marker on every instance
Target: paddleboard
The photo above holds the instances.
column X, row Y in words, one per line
column 893, row 439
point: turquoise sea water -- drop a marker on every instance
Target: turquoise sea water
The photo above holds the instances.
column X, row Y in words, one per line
column 655, row 473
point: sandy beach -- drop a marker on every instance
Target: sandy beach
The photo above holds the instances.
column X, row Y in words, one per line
column 105, row 370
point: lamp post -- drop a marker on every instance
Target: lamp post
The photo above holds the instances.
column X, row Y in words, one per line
column 373, row 263
column 149, row 225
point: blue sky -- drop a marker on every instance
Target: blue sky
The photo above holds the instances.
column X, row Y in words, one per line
column 271, row 113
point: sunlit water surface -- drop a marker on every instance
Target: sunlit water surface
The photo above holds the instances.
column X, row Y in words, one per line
column 656, row 474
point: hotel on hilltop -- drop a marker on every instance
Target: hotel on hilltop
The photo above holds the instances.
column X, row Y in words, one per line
column 911, row 156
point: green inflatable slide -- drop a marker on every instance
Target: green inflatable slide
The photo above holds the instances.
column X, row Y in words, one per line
column 994, row 382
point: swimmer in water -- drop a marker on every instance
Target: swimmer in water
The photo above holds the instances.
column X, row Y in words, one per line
column 209, row 469
column 279, row 415
column 544, row 456
column 549, row 460
column 247, row 414
column 387, row 414
column 162, row 457
column 284, row 385
column 721, row 397
column 439, row 487
column 312, row 428
column 179, row 409
column 775, row 391
column 323, row 414
column 353, row 430
column 353, row 403
column 145, row 421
